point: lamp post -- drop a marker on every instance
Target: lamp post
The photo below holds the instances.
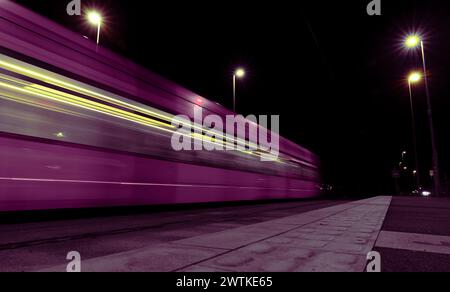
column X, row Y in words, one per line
column 411, row 42
column 95, row 19
column 414, row 77
column 240, row 73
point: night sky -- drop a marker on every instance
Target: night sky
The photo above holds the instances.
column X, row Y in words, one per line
column 335, row 75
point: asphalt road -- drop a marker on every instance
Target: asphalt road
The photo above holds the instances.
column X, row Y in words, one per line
column 424, row 216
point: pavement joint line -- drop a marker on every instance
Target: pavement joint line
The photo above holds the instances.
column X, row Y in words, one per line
column 189, row 245
column 353, row 205
column 17, row 245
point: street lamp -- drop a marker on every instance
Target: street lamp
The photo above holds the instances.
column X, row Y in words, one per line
column 240, row 73
column 96, row 19
column 414, row 77
column 412, row 42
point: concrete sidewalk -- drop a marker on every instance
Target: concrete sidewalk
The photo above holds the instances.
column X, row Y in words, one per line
column 335, row 238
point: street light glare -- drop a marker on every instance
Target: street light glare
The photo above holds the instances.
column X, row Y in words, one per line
column 240, row 73
column 412, row 41
column 94, row 17
column 414, row 77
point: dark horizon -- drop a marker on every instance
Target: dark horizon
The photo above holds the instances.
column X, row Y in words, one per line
column 333, row 74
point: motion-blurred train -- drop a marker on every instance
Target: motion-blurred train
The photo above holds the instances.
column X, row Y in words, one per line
column 81, row 127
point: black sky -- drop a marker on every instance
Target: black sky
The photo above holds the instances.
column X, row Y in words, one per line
column 334, row 74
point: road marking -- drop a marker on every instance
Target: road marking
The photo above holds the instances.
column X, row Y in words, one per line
column 414, row 242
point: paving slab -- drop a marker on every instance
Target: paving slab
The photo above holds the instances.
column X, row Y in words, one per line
column 158, row 258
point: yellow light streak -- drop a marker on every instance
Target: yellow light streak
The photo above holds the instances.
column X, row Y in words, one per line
column 73, row 100
column 73, row 87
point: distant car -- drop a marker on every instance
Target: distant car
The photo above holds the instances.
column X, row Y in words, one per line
column 421, row 192
column 426, row 193
column 326, row 188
